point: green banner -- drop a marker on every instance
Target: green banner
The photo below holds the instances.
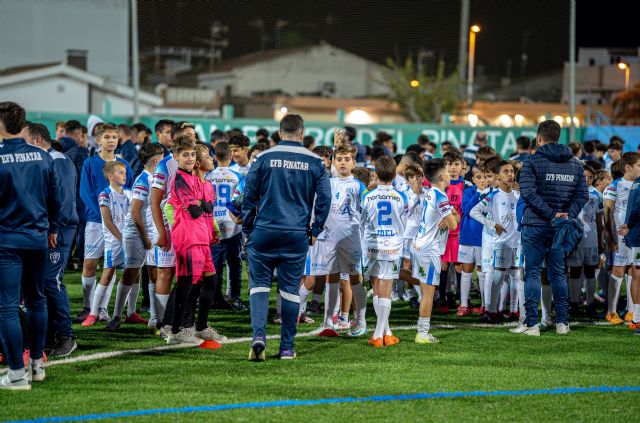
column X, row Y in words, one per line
column 502, row 139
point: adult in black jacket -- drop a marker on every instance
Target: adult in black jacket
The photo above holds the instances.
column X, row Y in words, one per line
column 553, row 186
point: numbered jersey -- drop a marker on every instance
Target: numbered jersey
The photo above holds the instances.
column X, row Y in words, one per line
column 501, row 207
column 346, row 209
column 384, row 217
column 163, row 177
column 141, row 192
column 118, row 204
column 431, row 241
column 224, row 181
column 588, row 215
column 618, row 191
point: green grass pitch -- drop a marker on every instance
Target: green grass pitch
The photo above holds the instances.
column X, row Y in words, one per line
column 467, row 359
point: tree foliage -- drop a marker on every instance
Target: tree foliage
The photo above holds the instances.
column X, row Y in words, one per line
column 626, row 107
column 434, row 96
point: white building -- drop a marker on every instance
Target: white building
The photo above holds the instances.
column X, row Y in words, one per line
column 60, row 88
column 598, row 77
column 41, row 31
column 316, row 70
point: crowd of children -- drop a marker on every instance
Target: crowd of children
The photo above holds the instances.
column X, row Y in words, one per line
column 409, row 225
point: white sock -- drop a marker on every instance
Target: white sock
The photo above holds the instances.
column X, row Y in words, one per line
column 496, row 290
column 304, row 296
column 122, row 292
column 132, row 299
column 591, row 290
column 88, row 285
column 488, row 285
column 360, row 297
column 228, row 283
column 97, row 298
column 317, row 298
column 419, row 292
column 278, row 303
column 331, row 301
column 424, row 324
column 152, row 302
column 344, row 315
column 465, row 287
column 575, row 286
column 161, row 305
column 384, row 306
column 521, row 308
column 636, row 313
column 481, row 279
column 546, row 302
column 504, row 290
column 376, row 306
column 107, row 297
column 613, row 293
column 514, row 282
column 336, row 309
column 629, row 299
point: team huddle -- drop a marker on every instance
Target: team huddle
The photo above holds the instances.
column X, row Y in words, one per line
column 410, row 225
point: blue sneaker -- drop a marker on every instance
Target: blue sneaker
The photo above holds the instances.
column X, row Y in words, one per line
column 287, row 354
column 358, row 330
column 258, row 348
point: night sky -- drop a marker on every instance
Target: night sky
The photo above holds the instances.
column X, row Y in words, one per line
column 381, row 29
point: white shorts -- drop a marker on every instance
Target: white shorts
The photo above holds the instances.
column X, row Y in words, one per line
column 328, row 258
column 165, row 258
column 487, row 259
column 426, row 269
column 584, row 256
column 519, row 256
column 113, row 256
column 381, row 269
column 504, row 258
column 93, row 241
column 469, row 254
column 134, row 252
column 624, row 255
column 635, row 252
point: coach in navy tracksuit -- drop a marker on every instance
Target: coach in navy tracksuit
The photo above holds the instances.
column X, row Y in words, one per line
column 553, row 186
column 278, row 201
column 61, row 236
column 28, row 202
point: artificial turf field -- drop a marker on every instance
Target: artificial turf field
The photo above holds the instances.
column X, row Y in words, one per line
column 469, row 372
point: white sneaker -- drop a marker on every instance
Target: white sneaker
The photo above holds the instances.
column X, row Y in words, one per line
column 103, row 315
column 341, row 325
column 182, row 337
column 210, row 334
column 526, row 330
column 37, row 370
column 562, row 329
column 152, row 323
column 21, row 384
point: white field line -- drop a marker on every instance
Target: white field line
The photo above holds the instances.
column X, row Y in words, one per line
column 111, row 354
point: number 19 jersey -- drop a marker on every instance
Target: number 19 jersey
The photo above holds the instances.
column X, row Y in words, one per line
column 384, row 217
column 224, row 181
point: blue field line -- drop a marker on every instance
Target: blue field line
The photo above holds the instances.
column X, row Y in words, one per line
column 297, row 403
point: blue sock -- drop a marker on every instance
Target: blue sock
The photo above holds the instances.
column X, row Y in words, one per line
column 259, row 302
column 289, row 320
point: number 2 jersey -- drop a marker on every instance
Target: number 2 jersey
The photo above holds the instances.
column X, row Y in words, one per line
column 384, row 218
column 225, row 182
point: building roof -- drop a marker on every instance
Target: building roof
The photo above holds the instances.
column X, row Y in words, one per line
column 24, row 74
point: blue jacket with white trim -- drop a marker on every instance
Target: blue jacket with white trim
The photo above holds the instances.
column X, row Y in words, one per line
column 66, row 182
column 552, row 181
column 281, row 187
column 28, row 198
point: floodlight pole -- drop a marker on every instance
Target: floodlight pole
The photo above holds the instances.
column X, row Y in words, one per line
column 572, row 72
column 135, row 59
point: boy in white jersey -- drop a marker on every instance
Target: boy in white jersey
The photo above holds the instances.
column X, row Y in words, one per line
column 162, row 179
column 414, row 193
column 114, row 206
column 339, row 247
column 616, row 197
column 498, row 211
column 427, row 248
column 587, row 254
column 240, row 153
column 138, row 246
column 384, row 217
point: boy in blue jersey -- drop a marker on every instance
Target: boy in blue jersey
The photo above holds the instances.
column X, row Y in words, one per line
column 470, row 252
column 138, row 246
column 28, row 204
column 384, row 218
column 429, row 244
column 92, row 183
column 115, row 202
column 225, row 181
column 240, row 153
column 338, row 249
